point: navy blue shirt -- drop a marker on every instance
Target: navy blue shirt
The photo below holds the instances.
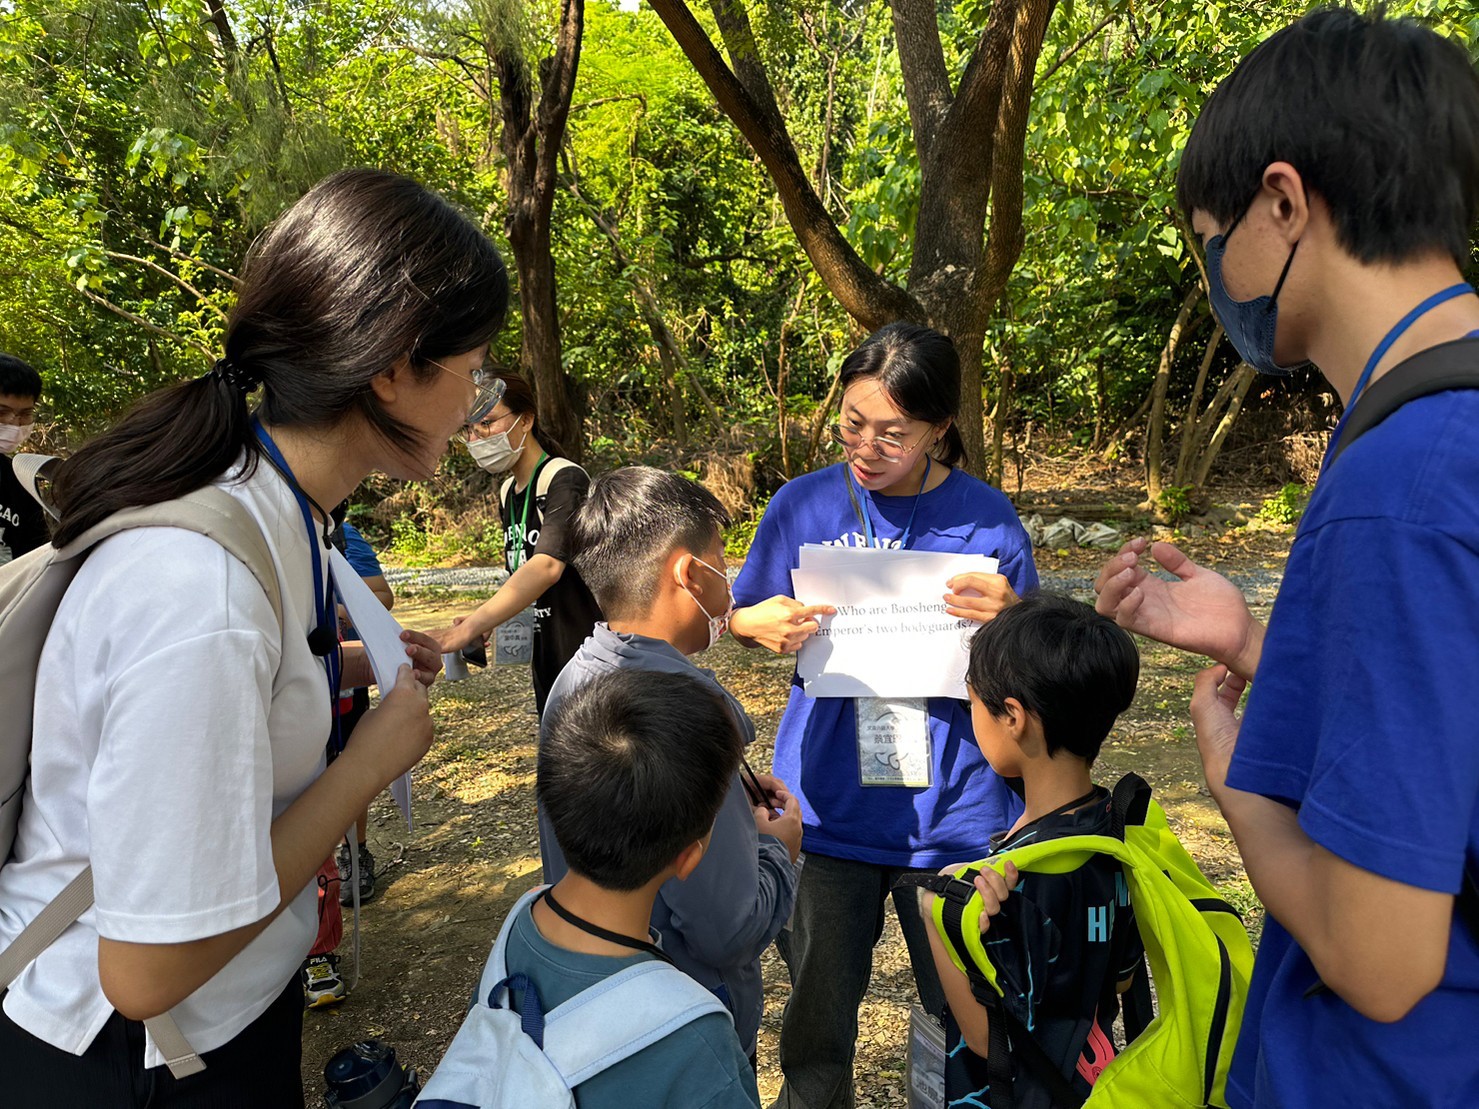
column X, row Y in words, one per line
column 816, row 744
column 1362, row 717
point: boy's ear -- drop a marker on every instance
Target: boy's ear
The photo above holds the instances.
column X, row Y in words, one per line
column 689, row 858
column 680, row 568
column 1015, row 718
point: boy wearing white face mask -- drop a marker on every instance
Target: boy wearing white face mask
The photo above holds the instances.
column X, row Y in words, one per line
column 650, row 545
column 536, row 503
column 22, row 521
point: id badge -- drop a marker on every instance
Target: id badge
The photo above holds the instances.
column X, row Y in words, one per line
column 513, row 640
column 927, row 1054
column 894, row 746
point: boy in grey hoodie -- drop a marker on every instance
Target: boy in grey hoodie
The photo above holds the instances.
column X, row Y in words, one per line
column 650, row 546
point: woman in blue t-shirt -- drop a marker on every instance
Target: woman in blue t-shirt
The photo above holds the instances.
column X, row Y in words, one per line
column 898, row 486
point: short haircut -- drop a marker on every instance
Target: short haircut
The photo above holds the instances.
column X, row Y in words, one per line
column 1068, row 666
column 633, row 766
column 1379, row 116
column 631, row 521
column 18, row 379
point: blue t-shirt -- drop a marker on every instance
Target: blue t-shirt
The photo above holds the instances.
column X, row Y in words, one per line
column 697, row 1066
column 816, row 745
column 1362, row 718
column 358, row 553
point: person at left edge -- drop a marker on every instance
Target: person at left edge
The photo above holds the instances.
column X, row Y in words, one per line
column 179, row 733
column 536, row 538
column 22, row 521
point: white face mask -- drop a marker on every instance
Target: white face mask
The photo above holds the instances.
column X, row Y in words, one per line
column 718, row 625
column 495, row 453
column 11, row 436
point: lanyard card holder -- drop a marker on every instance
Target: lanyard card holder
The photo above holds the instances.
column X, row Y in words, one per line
column 927, row 1052
column 894, row 745
column 513, row 641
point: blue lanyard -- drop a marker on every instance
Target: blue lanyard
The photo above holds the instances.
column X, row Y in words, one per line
column 1443, row 296
column 323, row 598
column 865, row 511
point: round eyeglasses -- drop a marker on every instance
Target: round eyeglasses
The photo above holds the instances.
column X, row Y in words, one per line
column 887, row 448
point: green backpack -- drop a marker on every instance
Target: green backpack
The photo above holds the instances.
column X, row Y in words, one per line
column 1199, row 952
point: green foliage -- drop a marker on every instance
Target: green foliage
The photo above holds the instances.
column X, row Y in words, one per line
column 741, row 533
column 141, row 152
column 1174, row 503
column 412, row 543
column 1286, row 506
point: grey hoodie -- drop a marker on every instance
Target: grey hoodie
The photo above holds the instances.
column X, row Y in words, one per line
column 716, row 924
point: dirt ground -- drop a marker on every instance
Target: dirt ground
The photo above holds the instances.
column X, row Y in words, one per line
column 447, row 886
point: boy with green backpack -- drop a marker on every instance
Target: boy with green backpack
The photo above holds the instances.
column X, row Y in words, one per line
column 1036, row 944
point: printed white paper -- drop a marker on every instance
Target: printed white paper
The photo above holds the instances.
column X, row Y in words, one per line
column 891, row 636
column 380, row 632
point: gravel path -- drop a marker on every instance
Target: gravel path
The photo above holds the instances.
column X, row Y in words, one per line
column 1258, row 585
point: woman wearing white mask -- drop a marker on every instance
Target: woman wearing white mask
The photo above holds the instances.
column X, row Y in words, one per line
column 536, row 504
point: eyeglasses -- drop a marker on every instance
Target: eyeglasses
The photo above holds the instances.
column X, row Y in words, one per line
column 488, row 425
column 17, row 417
column 885, row 447
column 490, row 391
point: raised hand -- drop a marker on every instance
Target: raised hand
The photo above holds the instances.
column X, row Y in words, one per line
column 1201, row 611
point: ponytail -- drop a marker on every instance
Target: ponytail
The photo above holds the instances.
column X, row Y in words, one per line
column 171, row 443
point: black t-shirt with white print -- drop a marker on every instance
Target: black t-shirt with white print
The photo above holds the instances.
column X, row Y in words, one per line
column 22, row 520
column 565, row 613
column 1060, row 946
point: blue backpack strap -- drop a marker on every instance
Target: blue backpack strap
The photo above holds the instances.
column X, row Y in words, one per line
column 618, row 1017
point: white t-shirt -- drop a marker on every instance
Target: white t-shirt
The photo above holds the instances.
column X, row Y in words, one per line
column 174, row 722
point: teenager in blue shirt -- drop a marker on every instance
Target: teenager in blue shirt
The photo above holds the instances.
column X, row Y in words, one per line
column 1351, row 783
column 898, row 486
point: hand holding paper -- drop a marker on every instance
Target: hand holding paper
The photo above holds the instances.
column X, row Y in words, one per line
column 893, row 635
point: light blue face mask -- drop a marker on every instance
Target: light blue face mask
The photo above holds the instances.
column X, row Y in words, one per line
column 1250, row 324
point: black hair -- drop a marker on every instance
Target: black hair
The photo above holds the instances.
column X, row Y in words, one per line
column 18, row 379
column 518, row 398
column 919, row 371
column 1379, row 116
column 366, row 269
column 633, row 767
column 1068, row 666
column 631, row 521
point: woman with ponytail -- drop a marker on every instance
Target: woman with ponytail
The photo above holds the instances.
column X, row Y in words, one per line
column 536, row 503
column 180, row 728
column 898, row 486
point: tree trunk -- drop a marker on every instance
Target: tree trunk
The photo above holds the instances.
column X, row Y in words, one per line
column 1242, row 380
column 1155, row 434
column 530, row 137
column 1190, row 429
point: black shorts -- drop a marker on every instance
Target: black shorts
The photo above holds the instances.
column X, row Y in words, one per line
column 260, row 1068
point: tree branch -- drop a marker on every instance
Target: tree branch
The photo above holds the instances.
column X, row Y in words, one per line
column 557, row 91
column 180, row 255
column 922, row 60
column 147, row 325
column 1114, row 13
column 1004, row 246
column 863, row 294
column 176, row 278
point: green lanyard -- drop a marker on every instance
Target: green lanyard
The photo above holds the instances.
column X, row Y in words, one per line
column 524, row 519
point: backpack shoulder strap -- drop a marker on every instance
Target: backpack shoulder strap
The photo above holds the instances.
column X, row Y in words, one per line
column 209, row 511
column 1129, row 804
column 495, row 973
column 30, row 470
column 552, row 466
column 1451, row 365
column 616, row 1018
